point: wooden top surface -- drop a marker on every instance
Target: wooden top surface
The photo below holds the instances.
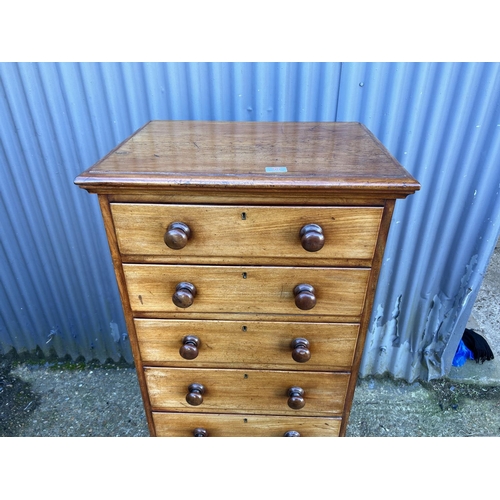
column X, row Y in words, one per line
column 272, row 155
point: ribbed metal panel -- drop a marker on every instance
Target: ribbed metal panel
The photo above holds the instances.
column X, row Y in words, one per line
column 442, row 121
column 57, row 286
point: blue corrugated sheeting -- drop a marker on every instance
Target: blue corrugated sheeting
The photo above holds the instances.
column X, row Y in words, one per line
column 441, row 120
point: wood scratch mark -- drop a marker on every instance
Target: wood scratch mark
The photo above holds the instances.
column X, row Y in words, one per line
column 196, row 145
column 140, row 298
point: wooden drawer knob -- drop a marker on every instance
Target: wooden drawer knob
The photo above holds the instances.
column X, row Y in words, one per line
column 189, row 348
column 200, row 432
column 296, row 398
column 293, row 434
column 312, row 238
column 195, row 394
column 301, row 352
column 184, row 295
column 305, row 298
column 177, row 235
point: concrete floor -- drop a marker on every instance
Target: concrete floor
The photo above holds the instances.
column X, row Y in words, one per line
column 92, row 400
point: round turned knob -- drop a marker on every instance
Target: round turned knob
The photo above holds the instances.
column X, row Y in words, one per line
column 312, row 238
column 304, row 296
column 200, row 432
column 195, row 395
column 291, row 434
column 301, row 352
column 189, row 348
column 184, row 295
column 177, row 235
column 296, row 398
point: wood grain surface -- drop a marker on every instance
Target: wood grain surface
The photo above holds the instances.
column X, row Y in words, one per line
column 245, row 190
column 247, row 391
column 340, row 156
column 246, row 425
column 247, row 233
column 250, row 344
column 245, row 289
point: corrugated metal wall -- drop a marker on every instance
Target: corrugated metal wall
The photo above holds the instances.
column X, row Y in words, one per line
column 442, row 121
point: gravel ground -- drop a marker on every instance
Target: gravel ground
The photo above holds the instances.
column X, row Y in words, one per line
column 385, row 407
column 66, row 399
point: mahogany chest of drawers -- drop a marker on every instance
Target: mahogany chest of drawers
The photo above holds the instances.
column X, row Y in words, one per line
column 247, row 256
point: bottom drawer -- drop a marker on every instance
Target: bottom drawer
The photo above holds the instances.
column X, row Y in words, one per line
column 223, row 425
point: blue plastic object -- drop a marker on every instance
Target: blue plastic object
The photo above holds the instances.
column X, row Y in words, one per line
column 462, row 355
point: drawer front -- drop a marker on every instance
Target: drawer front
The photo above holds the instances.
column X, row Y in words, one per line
column 223, row 232
column 239, row 289
column 221, row 425
column 238, row 344
column 246, row 391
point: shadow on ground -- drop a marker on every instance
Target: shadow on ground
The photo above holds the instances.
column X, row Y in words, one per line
column 69, row 399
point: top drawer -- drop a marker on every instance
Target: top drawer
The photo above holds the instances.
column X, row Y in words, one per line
column 256, row 234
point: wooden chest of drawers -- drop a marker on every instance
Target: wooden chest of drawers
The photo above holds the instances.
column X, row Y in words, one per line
column 247, row 256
